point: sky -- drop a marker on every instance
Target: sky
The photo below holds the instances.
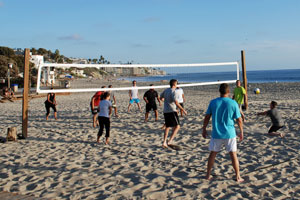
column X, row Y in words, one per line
column 158, row 31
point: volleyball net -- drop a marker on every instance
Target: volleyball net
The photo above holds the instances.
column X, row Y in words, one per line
column 188, row 75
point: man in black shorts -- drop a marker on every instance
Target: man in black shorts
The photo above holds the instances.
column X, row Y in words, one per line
column 149, row 98
column 275, row 116
column 170, row 112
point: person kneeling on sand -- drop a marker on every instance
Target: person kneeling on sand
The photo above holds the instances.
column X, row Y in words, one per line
column 276, row 119
column 105, row 109
column 223, row 111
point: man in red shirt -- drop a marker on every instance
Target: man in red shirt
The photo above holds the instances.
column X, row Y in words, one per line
column 95, row 106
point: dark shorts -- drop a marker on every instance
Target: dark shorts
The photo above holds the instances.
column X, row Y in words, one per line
column 151, row 107
column 95, row 110
column 274, row 128
column 181, row 105
column 171, row 119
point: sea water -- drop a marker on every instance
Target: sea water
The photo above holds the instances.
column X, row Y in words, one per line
column 261, row 76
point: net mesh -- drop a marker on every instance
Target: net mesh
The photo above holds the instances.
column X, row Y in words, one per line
column 70, row 77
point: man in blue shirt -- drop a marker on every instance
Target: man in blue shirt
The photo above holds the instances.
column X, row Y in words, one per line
column 224, row 111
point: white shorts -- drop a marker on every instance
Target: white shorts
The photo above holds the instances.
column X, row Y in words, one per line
column 216, row 144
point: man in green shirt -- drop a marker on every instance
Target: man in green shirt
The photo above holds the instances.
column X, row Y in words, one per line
column 238, row 95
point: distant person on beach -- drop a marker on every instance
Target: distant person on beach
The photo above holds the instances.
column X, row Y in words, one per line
column 95, row 106
column 113, row 101
column 223, row 111
column 105, row 108
column 170, row 112
column 276, row 119
column 134, row 96
column 180, row 97
column 51, row 103
column 8, row 93
column 238, row 95
column 149, row 98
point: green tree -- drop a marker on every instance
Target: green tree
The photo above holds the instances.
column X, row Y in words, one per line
column 95, row 60
column 6, row 51
column 34, row 51
column 42, row 51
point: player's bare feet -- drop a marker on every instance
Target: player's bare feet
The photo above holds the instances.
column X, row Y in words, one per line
column 165, row 146
column 107, row 141
column 282, row 135
column 208, row 177
column 240, row 180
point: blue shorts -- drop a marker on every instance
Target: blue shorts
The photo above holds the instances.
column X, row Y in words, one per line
column 134, row 100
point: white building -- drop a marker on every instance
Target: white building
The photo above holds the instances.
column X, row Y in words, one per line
column 48, row 73
column 79, row 72
column 37, row 60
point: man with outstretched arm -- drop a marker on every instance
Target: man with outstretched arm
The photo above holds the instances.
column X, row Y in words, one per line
column 223, row 111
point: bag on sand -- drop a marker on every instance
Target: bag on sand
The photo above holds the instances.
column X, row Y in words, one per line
column 11, row 134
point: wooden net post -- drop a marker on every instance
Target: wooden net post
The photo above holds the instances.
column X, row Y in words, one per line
column 244, row 79
column 25, row 94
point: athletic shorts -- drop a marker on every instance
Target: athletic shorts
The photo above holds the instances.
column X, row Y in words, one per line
column 241, row 107
column 217, row 144
column 274, row 128
column 134, row 101
column 151, row 107
column 95, row 111
column 171, row 119
column 113, row 105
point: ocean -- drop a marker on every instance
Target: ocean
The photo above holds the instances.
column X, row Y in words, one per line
column 261, row 76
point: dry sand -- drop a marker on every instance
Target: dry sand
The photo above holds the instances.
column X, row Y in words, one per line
column 60, row 159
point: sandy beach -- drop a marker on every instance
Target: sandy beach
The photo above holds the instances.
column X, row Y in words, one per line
column 60, row 159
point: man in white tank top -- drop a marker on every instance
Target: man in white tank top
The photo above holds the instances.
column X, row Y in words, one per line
column 134, row 96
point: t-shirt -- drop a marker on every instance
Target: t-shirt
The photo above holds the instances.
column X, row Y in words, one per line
column 134, row 93
column 150, row 96
column 104, row 108
column 97, row 97
column 169, row 103
column 178, row 95
column 275, row 117
column 224, row 111
column 239, row 93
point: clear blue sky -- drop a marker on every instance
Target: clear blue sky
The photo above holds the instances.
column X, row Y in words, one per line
column 158, row 31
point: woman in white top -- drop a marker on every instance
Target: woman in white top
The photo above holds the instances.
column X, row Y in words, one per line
column 105, row 108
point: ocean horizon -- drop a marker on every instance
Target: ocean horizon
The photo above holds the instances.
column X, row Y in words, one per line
column 254, row 76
